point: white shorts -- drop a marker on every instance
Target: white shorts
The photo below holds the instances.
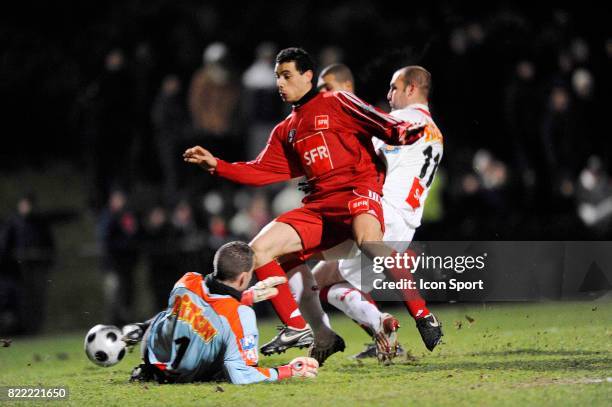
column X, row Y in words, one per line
column 349, row 255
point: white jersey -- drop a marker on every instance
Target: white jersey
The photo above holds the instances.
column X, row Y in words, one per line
column 411, row 169
column 410, row 173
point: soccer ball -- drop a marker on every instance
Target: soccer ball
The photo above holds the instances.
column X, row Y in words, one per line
column 103, row 345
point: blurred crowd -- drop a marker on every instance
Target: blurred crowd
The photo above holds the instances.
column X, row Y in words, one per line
column 521, row 96
column 168, row 239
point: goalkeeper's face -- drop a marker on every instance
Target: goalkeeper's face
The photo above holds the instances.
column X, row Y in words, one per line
column 292, row 84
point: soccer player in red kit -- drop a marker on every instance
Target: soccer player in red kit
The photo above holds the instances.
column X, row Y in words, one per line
column 327, row 138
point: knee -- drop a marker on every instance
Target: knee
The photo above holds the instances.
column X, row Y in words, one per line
column 258, row 246
column 370, row 234
column 326, row 274
column 366, row 228
column 262, row 251
column 360, row 238
column 275, row 241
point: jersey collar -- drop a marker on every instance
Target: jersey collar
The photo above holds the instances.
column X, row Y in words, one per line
column 306, row 98
column 419, row 106
column 217, row 287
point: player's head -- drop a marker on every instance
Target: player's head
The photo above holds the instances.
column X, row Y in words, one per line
column 409, row 85
column 336, row 77
column 294, row 73
column 233, row 265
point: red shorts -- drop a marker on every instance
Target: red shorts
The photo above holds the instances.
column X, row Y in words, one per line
column 325, row 223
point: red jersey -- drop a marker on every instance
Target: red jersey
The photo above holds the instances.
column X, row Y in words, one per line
column 327, row 138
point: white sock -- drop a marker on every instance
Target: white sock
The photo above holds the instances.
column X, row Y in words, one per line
column 349, row 300
column 306, row 293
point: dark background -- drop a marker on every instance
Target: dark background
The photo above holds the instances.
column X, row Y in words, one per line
column 53, row 57
column 520, row 92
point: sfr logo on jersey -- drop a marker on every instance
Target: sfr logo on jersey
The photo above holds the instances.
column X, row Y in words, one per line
column 414, row 196
column 322, row 122
column 359, row 205
column 315, row 154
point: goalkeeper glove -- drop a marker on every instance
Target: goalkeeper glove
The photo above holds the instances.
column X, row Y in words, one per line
column 263, row 290
column 301, row 367
column 133, row 333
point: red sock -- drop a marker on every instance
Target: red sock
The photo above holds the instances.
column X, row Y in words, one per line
column 412, row 298
column 284, row 304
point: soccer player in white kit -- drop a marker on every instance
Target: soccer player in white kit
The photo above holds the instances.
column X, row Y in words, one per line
column 410, row 173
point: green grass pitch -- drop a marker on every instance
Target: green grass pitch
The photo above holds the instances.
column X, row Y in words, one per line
column 510, row 354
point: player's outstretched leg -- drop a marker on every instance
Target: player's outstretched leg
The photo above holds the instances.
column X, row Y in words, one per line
column 306, row 293
column 357, row 305
column 428, row 325
column 382, row 327
column 295, row 333
column 367, row 229
column 275, row 240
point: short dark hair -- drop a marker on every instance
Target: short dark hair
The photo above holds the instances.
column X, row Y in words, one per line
column 417, row 76
column 303, row 61
column 340, row 71
column 231, row 260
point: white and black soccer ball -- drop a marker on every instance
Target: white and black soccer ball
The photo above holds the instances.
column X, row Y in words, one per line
column 103, row 345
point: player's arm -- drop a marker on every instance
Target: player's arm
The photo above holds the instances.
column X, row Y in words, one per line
column 236, row 368
column 272, row 165
column 247, row 333
column 134, row 332
column 241, row 356
column 248, row 344
column 262, row 290
column 239, row 372
column 377, row 123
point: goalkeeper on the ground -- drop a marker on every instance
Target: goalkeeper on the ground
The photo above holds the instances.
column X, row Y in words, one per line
column 209, row 331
